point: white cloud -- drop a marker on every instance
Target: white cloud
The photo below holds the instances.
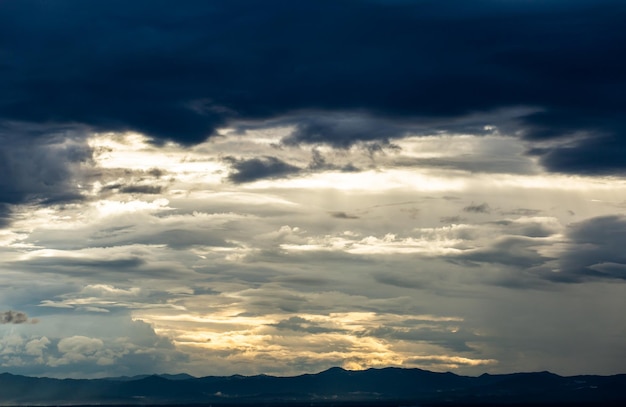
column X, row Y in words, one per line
column 79, row 344
column 35, row 347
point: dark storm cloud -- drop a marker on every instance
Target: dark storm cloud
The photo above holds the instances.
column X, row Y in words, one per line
column 133, row 188
column 342, row 130
column 73, row 266
column 599, row 154
column 177, row 71
column 591, row 250
column 5, row 212
column 39, row 171
column 141, row 189
column 514, row 251
column 254, row 169
column 36, row 165
column 596, row 251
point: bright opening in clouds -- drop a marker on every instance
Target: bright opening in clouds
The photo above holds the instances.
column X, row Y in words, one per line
column 233, row 187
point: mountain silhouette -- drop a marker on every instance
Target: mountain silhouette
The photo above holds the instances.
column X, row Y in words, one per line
column 388, row 386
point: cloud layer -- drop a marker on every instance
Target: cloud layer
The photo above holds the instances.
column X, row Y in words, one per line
column 179, row 73
column 291, row 272
column 220, row 187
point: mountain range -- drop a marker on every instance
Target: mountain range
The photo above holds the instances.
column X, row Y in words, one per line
column 335, row 386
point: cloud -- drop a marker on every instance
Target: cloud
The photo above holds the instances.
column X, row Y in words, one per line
column 535, row 251
column 141, row 189
column 595, row 252
column 319, row 163
column 435, row 361
column 37, row 346
column 514, row 251
column 13, row 317
column 342, row 215
column 254, row 169
column 342, row 130
column 451, row 219
column 41, row 165
column 367, row 116
column 593, row 154
column 453, row 339
column 76, row 348
column 5, row 215
column 477, row 208
column 299, row 324
column 91, row 346
column 387, row 66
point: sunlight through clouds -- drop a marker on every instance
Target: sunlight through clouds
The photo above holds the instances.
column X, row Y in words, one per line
column 271, row 204
column 319, row 268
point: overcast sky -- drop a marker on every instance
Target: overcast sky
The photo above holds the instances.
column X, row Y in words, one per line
column 278, row 187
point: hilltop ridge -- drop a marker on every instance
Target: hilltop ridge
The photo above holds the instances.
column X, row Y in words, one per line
column 389, row 386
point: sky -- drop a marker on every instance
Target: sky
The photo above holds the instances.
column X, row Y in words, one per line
column 279, row 187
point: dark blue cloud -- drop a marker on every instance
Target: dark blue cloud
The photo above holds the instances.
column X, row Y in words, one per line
column 596, row 252
column 593, row 252
column 254, row 169
column 37, row 166
column 178, row 70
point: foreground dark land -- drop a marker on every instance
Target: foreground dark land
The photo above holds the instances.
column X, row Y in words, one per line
column 334, row 387
column 354, row 404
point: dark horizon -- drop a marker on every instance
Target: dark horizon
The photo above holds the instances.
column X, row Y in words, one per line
column 184, row 375
column 335, row 386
